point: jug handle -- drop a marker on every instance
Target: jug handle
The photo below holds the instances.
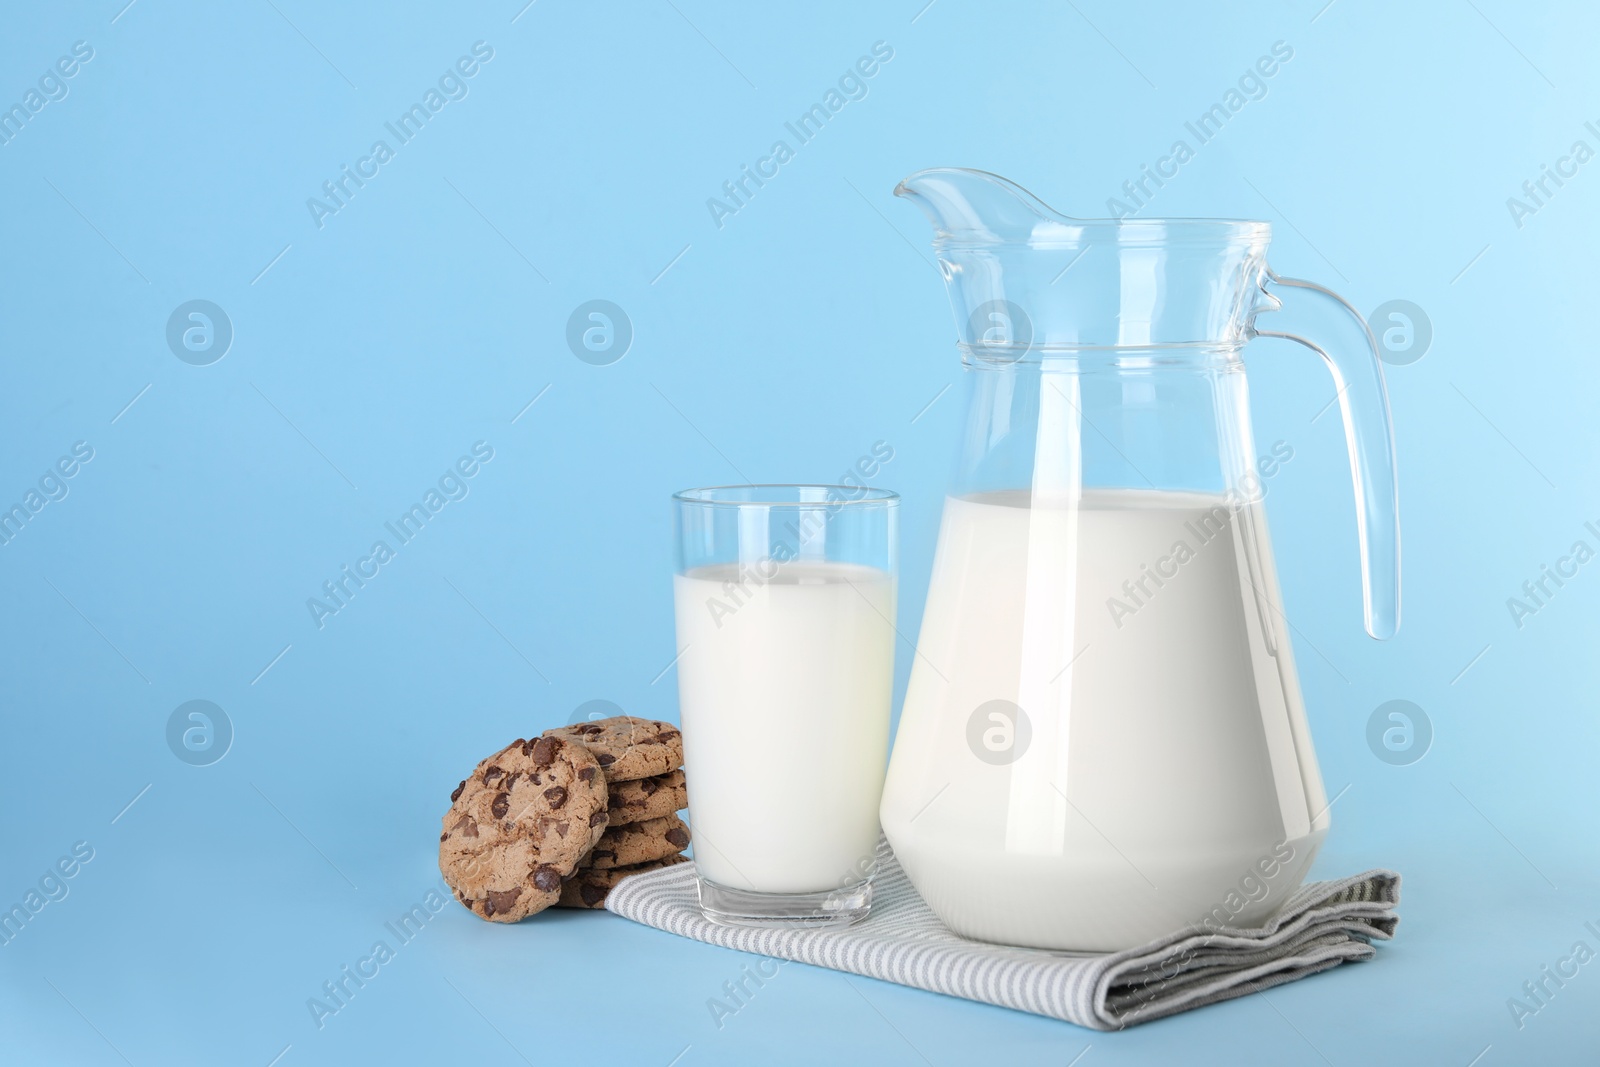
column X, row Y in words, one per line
column 1351, row 354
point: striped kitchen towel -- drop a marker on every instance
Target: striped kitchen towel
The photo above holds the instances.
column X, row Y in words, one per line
column 1323, row 925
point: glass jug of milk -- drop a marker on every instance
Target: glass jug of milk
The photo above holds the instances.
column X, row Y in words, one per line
column 1103, row 739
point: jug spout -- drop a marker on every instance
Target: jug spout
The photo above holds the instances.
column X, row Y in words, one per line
column 976, row 206
column 1025, row 278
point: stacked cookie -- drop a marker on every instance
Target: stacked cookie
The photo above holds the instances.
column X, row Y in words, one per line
column 643, row 764
column 562, row 818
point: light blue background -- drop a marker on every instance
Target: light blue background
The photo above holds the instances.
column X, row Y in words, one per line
column 378, row 348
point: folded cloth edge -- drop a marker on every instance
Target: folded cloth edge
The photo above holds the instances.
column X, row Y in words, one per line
column 1315, row 910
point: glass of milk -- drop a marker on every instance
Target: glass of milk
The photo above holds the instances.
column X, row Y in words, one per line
column 785, row 606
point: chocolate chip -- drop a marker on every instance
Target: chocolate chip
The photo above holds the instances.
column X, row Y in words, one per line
column 678, row 836
column 563, row 826
column 598, row 819
column 590, row 728
column 649, row 785
column 500, row 805
column 491, row 772
column 586, row 774
column 511, row 779
column 527, row 746
column 606, row 759
column 557, row 796
column 455, row 794
column 501, row 900
column 602, row 854
column 614, row 800
column 535, row 779
column 546, row 878
column 591, row 894
column 544, row 751
column 471, row 830
column 443, row 836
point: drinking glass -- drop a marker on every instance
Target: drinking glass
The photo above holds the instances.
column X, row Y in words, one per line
column 785, row 604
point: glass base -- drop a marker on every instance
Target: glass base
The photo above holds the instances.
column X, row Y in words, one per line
column 809, row 911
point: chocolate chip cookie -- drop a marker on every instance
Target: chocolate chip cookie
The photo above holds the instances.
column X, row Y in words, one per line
column 588, row 888
column 625, row 846
column 646, row 798
column 520, row 824
column 627, row 747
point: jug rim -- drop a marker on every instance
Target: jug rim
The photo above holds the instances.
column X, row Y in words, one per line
column 1067, row 231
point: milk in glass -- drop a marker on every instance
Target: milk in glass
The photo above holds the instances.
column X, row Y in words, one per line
column 784, row 685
